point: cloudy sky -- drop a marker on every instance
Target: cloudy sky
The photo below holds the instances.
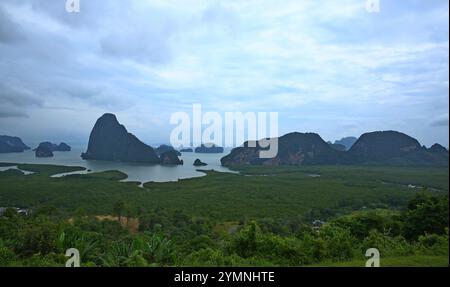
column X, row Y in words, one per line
column 329, row 66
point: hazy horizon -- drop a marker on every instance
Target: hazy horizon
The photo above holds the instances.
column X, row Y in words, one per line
column 330, row 68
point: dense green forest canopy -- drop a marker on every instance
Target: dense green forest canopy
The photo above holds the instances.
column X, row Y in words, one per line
column 293, row 216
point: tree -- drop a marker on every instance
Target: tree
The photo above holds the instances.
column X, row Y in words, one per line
column 118, row 209
column 10, row 213
column 39, row 236
column 244, row 243
column 426, row 214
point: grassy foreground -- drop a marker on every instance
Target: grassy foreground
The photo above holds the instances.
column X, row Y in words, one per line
column 404, row 261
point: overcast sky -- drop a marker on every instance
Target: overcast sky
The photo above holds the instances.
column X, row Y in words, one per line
column 326, row 66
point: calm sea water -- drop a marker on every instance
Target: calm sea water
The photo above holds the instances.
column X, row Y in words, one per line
column 135, row 171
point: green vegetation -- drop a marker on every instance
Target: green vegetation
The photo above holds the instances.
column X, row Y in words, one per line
column 260, row 217
column 227, row 197
column 47, row 170
column 402, row 261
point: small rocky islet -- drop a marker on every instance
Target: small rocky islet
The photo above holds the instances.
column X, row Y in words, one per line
column 46, row 149
column 198, row 162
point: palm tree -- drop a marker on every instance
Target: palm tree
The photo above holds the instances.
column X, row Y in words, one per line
column 118, row 209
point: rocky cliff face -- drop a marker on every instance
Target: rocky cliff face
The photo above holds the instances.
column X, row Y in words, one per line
column 109, row 140
column 170, row 158
column 293, row 149
column 43, row 150
column 395, row 148
column 63, row 147
column 12, row 144
column 382, row 146
column 164, row 148
column 438, row 149
column 198, row 162
column 386, row 148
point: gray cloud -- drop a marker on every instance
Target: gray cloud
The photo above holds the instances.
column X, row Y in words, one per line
column 145, row 47
column 141, row 58
column 16, row 95
column 440, row 122
column 10, row 32
column 142, row 37
column 89, row 18
column 15, row 101
column 8, row 113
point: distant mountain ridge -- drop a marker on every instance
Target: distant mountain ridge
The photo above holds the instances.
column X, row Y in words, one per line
column 208, row 148
column 383, row 147
column 347, row 142
column 336, row 146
